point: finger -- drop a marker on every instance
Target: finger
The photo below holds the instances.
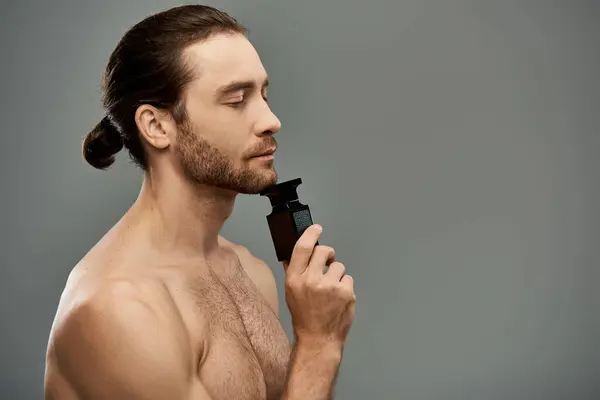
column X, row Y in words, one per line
column 336, row 271
column 303, row 249
column 322, row 255
column 348, row 282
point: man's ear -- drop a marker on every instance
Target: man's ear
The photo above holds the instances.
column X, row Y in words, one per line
column 156, row 127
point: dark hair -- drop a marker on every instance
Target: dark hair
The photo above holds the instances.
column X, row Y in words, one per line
column 146, row 67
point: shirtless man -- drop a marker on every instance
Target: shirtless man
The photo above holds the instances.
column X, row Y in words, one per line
column 163, row 307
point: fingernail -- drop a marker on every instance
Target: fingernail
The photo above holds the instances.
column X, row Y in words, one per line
column 318, row 227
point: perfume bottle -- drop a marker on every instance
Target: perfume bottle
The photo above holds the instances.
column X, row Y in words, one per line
column 288, row 219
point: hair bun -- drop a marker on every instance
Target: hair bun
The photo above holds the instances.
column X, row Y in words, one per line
column 101, row 144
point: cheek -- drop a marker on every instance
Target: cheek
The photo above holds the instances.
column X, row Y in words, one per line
column 225, row 129
column 230, row 137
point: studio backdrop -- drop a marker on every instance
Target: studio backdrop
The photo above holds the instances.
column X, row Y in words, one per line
column 450, row 149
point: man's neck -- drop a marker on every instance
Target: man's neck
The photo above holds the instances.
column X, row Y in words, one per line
column 180, row 216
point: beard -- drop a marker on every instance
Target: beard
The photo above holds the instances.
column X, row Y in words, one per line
column 203, row 163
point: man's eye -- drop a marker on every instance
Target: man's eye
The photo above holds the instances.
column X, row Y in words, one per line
column 237, row 104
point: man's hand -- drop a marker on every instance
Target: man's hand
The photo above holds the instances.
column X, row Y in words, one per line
column 321, row 303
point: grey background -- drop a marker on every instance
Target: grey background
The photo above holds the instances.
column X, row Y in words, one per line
column 449, row 148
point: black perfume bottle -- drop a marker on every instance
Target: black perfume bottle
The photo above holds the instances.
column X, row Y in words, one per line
column 288, row 219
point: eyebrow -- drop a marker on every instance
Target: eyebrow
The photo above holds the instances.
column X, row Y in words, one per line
column 239, row 85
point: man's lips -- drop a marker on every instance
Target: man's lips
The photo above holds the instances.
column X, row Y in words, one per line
column 269, row 152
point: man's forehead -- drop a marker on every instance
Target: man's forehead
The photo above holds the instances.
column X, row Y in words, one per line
column 223, row 59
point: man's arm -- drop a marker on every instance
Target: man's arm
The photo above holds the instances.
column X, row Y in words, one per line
column 313, row 371
column 116, row 346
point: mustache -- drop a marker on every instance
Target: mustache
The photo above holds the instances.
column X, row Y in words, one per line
column 263, row 147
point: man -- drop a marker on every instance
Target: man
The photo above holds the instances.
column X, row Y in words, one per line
column 163, row 307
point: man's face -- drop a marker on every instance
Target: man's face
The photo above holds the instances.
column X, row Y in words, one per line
column 229, row 121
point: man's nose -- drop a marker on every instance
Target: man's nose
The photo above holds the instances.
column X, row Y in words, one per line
column 269, row 123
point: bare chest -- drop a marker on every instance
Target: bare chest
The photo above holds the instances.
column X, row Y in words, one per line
column 245, row 351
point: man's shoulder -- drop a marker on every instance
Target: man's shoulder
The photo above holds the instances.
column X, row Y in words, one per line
column 109, row 299
column 114, row 306
column 258, row 270
column 116, row 332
